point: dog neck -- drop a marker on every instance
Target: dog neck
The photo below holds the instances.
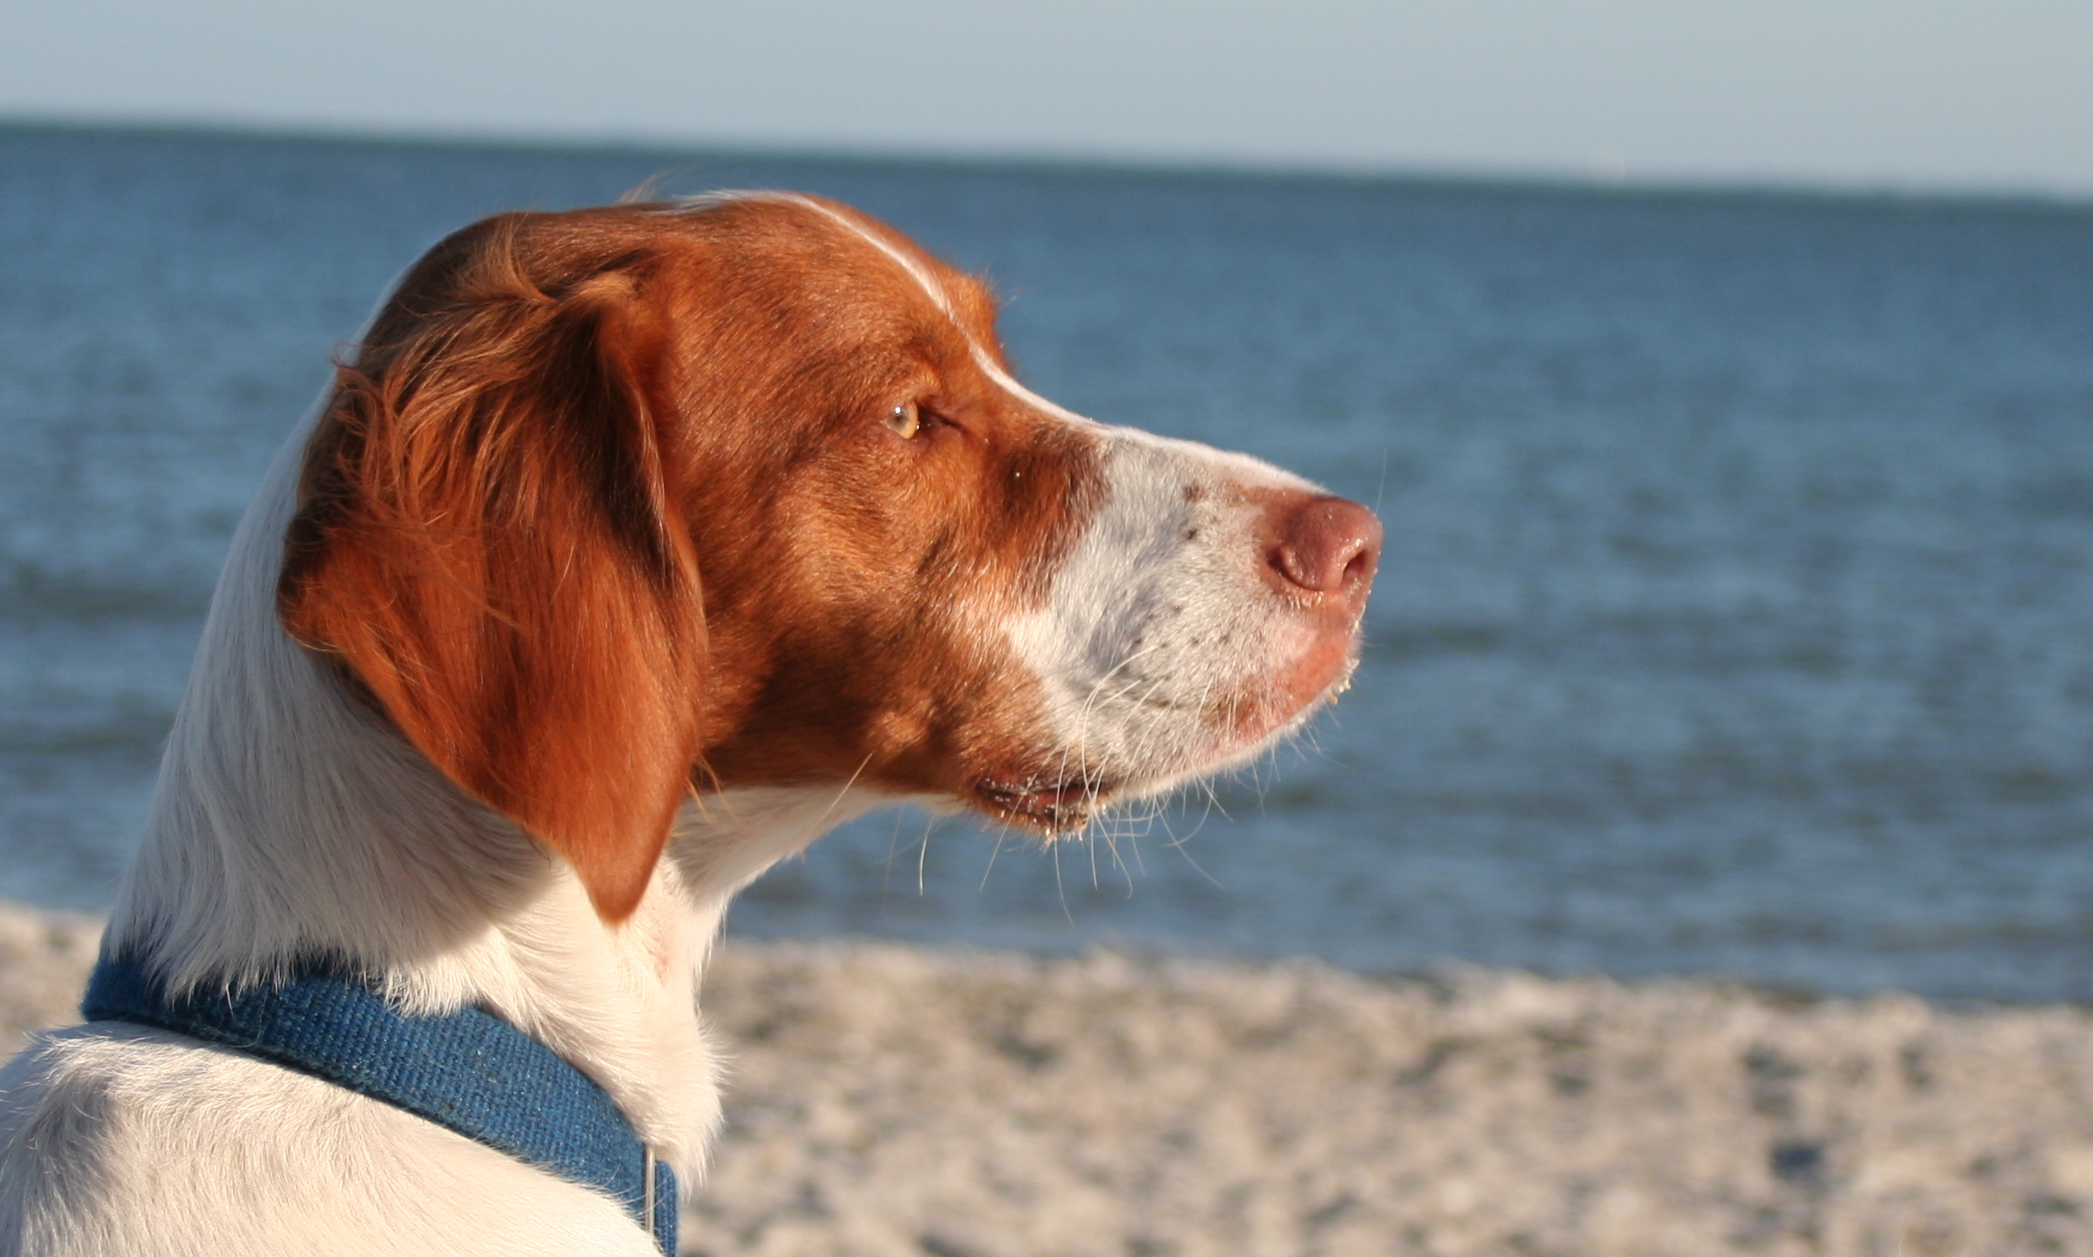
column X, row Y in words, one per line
column 290, row 821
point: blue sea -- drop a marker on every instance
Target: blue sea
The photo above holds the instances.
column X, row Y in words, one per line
column 1736, row 616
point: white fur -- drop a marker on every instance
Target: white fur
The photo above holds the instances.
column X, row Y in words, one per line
column 1158, row 615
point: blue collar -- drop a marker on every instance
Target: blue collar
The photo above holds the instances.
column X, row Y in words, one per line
column 467, row 1071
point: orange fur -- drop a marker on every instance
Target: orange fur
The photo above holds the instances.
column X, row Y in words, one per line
column 489, row 543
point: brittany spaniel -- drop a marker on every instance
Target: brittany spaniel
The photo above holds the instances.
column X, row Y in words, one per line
column 634, row 548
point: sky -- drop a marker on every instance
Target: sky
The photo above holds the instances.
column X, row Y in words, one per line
column 1901, row 95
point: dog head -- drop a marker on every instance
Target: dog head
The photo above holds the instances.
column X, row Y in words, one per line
column 619, row 504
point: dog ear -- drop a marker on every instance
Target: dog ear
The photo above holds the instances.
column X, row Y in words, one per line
column 488, row 539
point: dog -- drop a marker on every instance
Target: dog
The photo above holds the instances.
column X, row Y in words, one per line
column 631, row 549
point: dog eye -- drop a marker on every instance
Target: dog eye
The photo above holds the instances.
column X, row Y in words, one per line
column 906, row 420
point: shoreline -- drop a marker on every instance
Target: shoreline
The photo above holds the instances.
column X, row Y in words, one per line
column 885, row 1099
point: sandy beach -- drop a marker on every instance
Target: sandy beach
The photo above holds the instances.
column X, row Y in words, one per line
column 891, row 1101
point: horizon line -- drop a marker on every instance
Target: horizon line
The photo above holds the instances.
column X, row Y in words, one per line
column 1566, row 179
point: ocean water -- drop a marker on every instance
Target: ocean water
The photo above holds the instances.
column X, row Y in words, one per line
column 1736, row 616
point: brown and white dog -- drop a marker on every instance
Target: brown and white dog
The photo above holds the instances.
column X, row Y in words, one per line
column 636, row 547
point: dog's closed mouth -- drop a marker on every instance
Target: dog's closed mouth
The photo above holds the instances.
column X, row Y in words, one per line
column 1058, row 806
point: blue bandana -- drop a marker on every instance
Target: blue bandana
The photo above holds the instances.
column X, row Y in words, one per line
column 467, row 1071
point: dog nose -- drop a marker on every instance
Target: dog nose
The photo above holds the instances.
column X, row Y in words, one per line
column 1328, row 545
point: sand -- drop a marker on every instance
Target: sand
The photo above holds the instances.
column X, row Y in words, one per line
column 889, row 1100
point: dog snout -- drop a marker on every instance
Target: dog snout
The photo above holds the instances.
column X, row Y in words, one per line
column 1325, row 545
